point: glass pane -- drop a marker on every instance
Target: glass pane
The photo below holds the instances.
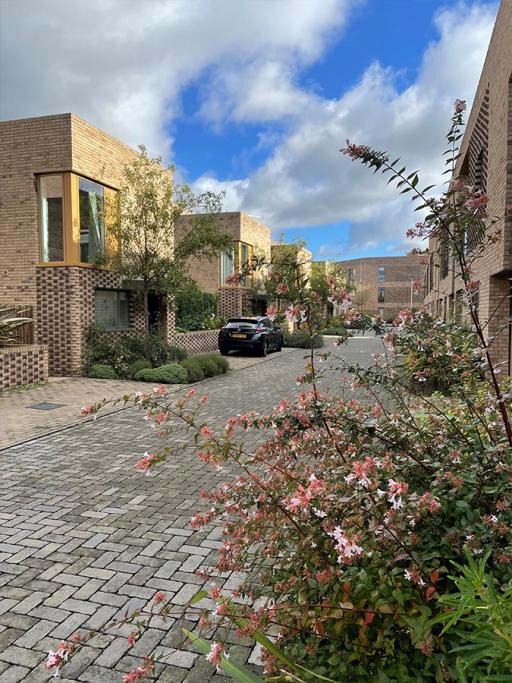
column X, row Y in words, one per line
column 105, row 307
column 123, row 310
column 226, row 266
column 92, row 233
column 51, row 228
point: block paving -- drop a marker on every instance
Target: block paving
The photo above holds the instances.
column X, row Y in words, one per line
column 85, row 537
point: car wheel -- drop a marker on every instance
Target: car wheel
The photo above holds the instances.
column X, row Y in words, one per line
column 264, row 348
column 279, row 345
column 223, row 351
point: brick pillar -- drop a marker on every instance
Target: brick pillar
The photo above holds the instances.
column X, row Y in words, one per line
column 230, row 303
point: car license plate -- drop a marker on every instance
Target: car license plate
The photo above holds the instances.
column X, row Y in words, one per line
column 239, row 336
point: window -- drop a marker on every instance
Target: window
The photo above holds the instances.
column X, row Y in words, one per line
column 381, row 274
column 92, row 233
column 227, row 265
column 244, row 260
column 112, row 308
column 51, row 218
column 380, row 295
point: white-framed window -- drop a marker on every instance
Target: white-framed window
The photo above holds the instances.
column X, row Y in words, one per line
column 381, row 274
column 112, row 308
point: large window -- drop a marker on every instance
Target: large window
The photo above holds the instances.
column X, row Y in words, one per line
column 51, row 213
column 112, row 308
column 91, row 212
column 227, row 265
column 381, row 274
column 380, row 295
column 76, row 219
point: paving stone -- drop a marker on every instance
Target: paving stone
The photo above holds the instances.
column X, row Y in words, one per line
column 21, row 656
column 34, row 634
column 14, row 674
column 90, row 536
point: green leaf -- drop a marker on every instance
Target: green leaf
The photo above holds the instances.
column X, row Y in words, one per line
column 237, row 672
column 200, row 595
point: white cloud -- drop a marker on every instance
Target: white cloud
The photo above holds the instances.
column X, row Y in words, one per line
column 306, row 181
column 122, row 64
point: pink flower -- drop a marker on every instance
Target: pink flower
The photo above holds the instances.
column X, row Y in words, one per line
column 140, row 672
column 161, row 417
column 395, row 491
column 282, row 289
column 190, row 393
column 145, row 463
column 160, row 390
column 477, row 200
column 215, row 654
column 55, row 660
column 203, row 398
column 159, row 597
column 345, row 547
column 271, row 313
column 459, row 106
column 132, row 638
column 233, row 279
column 86, row 410
column 206, row 432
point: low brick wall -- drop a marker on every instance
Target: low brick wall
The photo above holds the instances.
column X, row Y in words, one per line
column 201, row 341
column 23, row 365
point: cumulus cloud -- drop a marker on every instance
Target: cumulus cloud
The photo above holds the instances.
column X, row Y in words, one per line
column 305, row 181
column 122, row 64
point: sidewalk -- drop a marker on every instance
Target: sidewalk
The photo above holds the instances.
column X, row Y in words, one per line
column 19, row 422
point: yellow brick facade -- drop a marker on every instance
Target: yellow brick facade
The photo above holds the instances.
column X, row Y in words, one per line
column 488, row 135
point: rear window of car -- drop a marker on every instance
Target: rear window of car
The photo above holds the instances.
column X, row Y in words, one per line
column 242, row 322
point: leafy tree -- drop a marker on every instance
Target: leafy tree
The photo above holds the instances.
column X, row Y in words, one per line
column 148, row 207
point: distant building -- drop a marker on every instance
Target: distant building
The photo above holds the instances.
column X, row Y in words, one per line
column 485, row 162
column 383, row 284
column 250, row 238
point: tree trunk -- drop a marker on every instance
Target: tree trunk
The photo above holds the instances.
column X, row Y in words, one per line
column 146, row 306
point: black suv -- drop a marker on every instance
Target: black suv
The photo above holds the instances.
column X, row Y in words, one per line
column 252, row 334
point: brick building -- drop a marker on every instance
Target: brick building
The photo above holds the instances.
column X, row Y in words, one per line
column 57, row 175
column 383, row 283
column 250, row 238
column 485, row 162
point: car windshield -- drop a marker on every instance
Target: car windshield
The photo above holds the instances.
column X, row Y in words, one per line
column 242, row 322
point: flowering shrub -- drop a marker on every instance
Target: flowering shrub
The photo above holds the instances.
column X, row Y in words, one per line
column 435, row 354
column 344, row 520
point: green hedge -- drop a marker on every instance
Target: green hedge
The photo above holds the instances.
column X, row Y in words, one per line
column 302, row 340
column 102, row 371
column 205, row 365
column 171, row 373
column 137, row 365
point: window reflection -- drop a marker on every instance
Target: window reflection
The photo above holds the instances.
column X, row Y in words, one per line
column 92, row 232
column 51, row 218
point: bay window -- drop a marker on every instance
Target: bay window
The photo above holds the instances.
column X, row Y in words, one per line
column 51, row 213
column 76, row 219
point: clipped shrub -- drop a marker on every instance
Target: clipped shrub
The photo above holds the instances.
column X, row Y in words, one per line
column 205, row 365
column 303, row 340
column 194, row 369
column 172, row 373
column 137, row 365
column 336, row 331
column 102, row 371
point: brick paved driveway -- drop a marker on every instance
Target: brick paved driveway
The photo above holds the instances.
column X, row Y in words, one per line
column 83, row 536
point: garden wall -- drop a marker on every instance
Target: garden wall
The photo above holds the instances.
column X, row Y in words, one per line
column 23, row 365
column 201, row 341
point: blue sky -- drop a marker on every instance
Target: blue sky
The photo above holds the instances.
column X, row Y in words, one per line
column 255, row 97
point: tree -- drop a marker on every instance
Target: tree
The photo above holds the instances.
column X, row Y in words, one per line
column 143, row 226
